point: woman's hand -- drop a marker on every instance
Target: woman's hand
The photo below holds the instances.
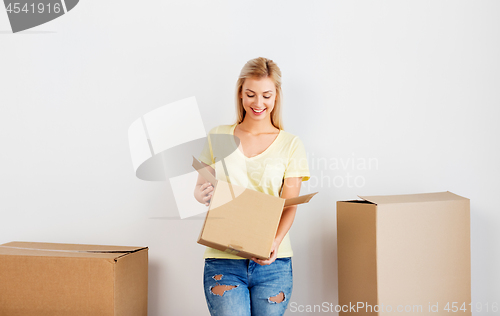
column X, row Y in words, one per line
column 274, row 254
column 205, row 193
column 203, row 190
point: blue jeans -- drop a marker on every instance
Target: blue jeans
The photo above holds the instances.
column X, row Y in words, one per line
column 241, row 287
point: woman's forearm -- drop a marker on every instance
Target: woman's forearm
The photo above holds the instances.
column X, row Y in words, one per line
column 286, row 222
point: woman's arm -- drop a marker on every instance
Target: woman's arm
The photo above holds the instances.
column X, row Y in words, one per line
column 291, row 188
column 203, row 190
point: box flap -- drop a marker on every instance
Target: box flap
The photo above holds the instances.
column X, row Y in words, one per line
column 204, row 171
column 226, row 192
column 412, row 198
column 299, row 199
column 63, row 250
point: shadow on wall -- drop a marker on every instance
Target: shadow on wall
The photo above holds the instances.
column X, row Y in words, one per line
column 154, row 287
column 483, row 257
column 329, row 259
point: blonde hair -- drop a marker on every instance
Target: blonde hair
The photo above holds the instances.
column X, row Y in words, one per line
column 260, row 67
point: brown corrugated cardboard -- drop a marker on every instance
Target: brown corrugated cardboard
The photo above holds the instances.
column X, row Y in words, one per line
column 53, row 279
column 241, row 221
column 404, row 254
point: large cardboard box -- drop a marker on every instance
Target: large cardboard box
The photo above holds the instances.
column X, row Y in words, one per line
column 404, row 254
column 241, row 221
column 49, row 279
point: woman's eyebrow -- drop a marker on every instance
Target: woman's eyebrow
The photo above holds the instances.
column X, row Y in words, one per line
column 270, row 91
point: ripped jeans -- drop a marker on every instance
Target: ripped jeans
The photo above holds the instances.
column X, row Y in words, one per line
column 241, row 287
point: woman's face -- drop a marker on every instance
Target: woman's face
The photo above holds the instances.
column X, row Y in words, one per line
column 258, row 96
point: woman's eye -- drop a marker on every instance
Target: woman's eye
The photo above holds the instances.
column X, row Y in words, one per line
column 266, row 97
column 250, row 96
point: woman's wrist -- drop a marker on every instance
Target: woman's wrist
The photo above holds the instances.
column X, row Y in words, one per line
column 278, row 240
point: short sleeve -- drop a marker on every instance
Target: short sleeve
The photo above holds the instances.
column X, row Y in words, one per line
column 207, row 155
column 297, row 161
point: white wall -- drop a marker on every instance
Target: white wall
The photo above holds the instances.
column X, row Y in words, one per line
column 410, row 86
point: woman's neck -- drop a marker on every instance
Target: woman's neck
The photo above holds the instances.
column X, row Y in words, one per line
column 257, row 127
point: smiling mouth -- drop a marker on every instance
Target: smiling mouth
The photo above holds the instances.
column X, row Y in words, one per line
column 258, row 112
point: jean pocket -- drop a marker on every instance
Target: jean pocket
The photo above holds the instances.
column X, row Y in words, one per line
column 284, row 263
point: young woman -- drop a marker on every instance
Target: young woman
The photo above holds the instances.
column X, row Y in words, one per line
column 268, row 160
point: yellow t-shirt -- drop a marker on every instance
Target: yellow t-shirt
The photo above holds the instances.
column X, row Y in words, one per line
column 284, row 158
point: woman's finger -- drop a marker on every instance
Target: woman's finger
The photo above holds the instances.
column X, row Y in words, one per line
column 206, row 185
column 207, row 190
column 207, row 198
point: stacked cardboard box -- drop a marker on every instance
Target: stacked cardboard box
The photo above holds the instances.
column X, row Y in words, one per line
column 407, row 254
column 49, row 279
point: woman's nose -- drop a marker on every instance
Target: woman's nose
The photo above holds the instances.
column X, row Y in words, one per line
column 259, row 100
